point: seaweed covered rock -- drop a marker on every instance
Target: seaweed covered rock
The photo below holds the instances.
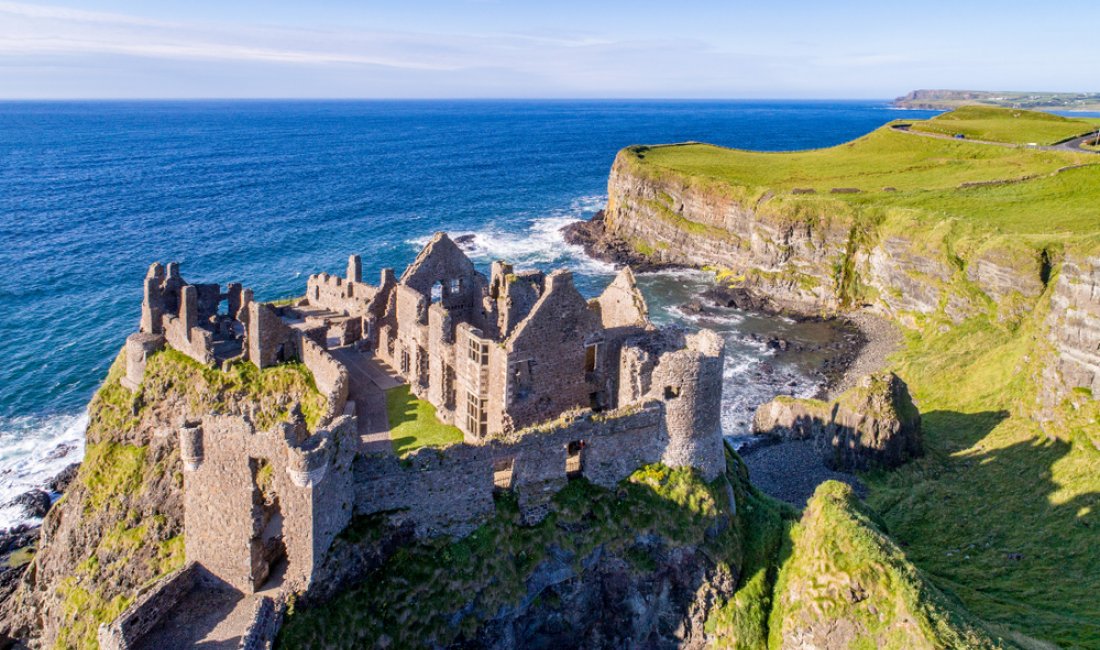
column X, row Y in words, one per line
column 873, row 424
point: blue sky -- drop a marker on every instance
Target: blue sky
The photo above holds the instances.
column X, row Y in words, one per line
column 562, row 48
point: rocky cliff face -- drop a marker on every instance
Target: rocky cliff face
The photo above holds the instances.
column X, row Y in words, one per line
column 813, row 254
column 873, row 424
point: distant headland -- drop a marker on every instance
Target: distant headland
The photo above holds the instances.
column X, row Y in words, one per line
column 951, row 99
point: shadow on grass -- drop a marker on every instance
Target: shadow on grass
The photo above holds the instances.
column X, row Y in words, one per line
column 413, row 423
column 1004, row 519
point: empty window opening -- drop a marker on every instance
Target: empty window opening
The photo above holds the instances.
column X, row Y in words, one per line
column 522, row 378
column 672, row 392
column 477, row 351
column 455, row 286
column 596, row 401
column 437, row 292
column 502, row 473
column 574, row 459
column 477, row 417
column 591, row 354
column 269, row 556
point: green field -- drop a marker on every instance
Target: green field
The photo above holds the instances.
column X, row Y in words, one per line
column 1005, row 125
column 413, row 423
column 1000, row 189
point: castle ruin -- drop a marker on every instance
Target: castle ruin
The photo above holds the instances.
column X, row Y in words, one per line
column 544, row 385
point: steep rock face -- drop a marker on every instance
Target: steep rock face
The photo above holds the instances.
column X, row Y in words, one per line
column 875, row 423
column 669, row 218
column 1074, row 333
column 810, row 254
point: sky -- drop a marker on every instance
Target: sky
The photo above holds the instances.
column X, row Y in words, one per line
column 716, row 49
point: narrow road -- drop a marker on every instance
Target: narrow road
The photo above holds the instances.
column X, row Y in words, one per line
column 369, row 378
column 1073, row 144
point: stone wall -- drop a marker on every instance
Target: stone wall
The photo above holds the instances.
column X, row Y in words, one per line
column 270, row 340
column 147, row 609
column 249, row 491
column 267, row 616
column 330, row 376
column 450, row 490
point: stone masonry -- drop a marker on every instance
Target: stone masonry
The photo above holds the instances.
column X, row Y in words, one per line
column 545, row 385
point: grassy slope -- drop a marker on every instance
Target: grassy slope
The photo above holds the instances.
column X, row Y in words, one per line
column 1000, row 512
column 112, row 485
column 1005, row 125
column 413, row 423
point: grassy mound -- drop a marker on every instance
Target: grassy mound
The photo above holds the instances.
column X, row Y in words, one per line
column 1005, row 125
column 413, row 423
column 846, row 580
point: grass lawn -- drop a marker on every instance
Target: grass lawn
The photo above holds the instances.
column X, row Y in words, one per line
column 1005, row 125
column 413, row 423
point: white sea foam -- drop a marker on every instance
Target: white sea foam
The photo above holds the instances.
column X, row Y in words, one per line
column 33, row 449
column 539, row 244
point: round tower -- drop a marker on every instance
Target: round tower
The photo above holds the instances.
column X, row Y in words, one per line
column 689, row 382
column 191, row 451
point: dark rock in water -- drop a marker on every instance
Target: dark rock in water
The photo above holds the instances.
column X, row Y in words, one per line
column 465, row 241
column 34, row 503
column 61, row 482
column 592, row 236
column 16, row 538
column 60, row 451
column 692, row 307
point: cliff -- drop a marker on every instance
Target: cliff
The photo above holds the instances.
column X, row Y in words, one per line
column 987, row 257
column 119, row 526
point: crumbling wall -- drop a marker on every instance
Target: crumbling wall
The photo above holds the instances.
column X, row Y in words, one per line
column 450, row 490
column 147, row 610
column 270, row 340
column 309, row 480
column 330, row 376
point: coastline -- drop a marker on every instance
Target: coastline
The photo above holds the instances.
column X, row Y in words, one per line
column 789, row 471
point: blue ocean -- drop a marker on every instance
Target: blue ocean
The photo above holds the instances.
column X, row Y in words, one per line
column 267, row 192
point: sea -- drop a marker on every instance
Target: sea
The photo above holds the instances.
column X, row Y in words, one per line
column 267, row 192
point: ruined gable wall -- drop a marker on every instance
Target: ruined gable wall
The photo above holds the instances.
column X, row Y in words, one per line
column 195, row 342
column 554, row 337
column 450, row 490
column 340, row 295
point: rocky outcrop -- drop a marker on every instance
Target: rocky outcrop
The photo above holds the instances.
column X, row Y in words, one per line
column 1074, row 330
column 873, row 424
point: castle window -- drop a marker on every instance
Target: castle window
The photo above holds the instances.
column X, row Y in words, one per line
column 455, row 286
column 672, row 392
column 574, row 459
column 405, row 361
column 502, row 473
column 591, row 353
column 522, row 378
column 437, row 292
column 477, row 416
column 477, row 351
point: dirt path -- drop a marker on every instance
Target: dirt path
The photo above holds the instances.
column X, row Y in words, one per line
column 370, row 378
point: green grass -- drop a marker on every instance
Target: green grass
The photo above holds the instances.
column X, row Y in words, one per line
column 1009, row 125
column 882, row 158
column 1001, row 512
column 413, row 423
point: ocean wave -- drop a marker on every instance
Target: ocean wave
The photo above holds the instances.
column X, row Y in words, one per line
column 33, row 449
column 540, row 244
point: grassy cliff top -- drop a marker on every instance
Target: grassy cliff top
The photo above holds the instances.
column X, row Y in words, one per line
column 1006, row 189
column 1006, row 125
